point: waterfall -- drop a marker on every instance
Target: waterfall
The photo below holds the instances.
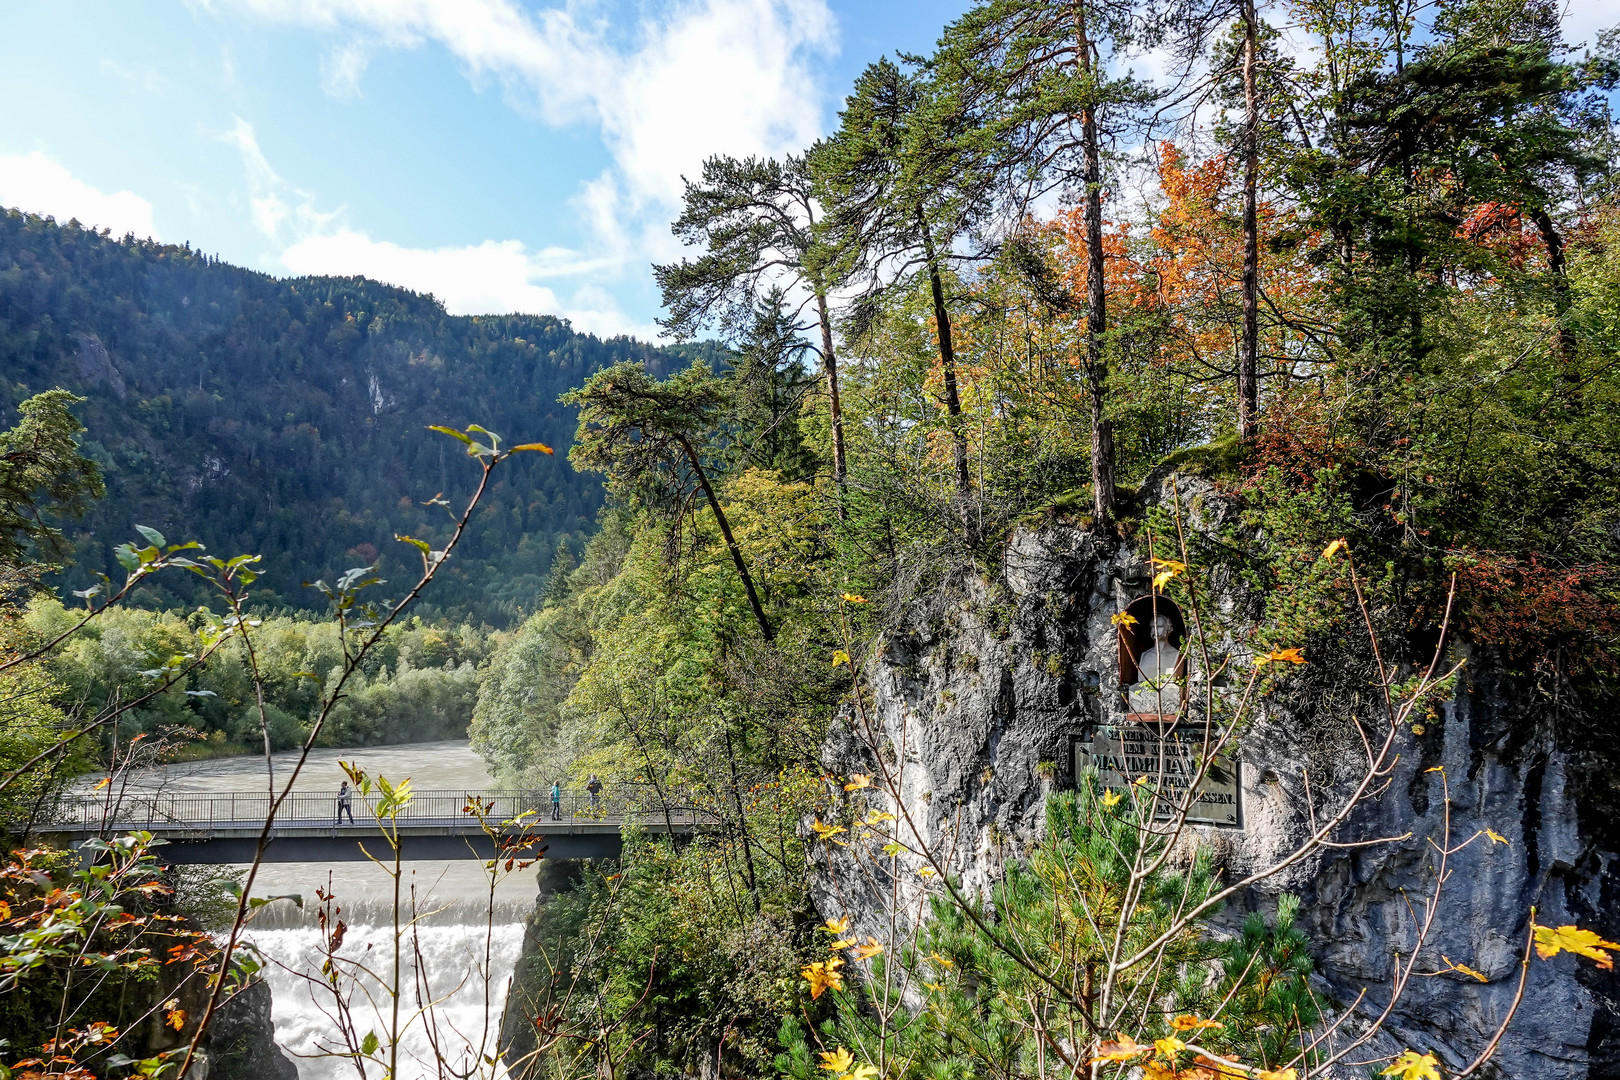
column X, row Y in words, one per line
column 465, row 1021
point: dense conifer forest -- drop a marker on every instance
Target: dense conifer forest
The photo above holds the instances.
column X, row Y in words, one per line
column 286, row 418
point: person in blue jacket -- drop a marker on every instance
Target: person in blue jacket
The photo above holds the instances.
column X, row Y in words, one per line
column 556, row 801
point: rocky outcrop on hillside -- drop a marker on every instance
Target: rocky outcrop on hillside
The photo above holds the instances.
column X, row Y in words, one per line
column 982, row 692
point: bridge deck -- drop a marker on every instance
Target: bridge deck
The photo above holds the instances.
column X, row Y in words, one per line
column 217, row 827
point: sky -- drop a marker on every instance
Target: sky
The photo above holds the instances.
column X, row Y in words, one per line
column 504, row 155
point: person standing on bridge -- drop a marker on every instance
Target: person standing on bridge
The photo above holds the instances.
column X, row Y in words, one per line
column 594, row 786
column 556, row 801
column 344, row 804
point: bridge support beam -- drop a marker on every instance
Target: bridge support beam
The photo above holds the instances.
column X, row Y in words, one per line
column 602, row 845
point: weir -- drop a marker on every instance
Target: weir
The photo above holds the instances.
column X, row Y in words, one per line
column 226, row 826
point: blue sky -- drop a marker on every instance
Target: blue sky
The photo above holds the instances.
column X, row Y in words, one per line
column 501, row 154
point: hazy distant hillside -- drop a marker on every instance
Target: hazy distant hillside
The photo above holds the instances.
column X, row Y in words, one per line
column 287, row 417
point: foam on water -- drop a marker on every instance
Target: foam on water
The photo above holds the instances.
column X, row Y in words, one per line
column 467, row 996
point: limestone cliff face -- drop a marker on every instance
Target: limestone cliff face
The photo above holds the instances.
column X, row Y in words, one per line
column 982, row 693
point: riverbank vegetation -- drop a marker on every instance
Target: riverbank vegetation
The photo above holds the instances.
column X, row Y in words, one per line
column 418, row 685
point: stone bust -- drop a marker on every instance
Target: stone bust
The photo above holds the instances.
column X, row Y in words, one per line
column 1156, row 689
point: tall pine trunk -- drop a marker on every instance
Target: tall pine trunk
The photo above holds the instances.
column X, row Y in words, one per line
column 947, row 360
column 731, row 541
column 1102, row 432
column 1249, row 346
column 1562, row 300
column 835, row 408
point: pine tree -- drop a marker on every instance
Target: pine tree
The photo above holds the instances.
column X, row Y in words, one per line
column 1034, row 77
column 755, row 221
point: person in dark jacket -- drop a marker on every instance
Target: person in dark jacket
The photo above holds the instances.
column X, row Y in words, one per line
column 594, row 786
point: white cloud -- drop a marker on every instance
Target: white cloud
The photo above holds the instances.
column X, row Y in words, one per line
column 41, row 185
column 488, row 278
column 343, row 68
column 269, row 194
column 698, row 77
column 491, row 277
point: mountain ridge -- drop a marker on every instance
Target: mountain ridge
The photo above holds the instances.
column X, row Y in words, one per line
column 287, row 416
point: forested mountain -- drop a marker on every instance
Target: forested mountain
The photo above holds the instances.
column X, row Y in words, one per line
column 287, row 417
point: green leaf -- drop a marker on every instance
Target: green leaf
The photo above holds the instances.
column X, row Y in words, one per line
column 452, row 432
column 126, row 556
column 153, row 537
column 369, row 1044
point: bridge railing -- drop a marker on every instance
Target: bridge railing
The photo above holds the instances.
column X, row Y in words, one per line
column 163, row 810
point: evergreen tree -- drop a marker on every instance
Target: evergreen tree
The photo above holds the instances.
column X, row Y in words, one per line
column 756, row 220
column 650, row 439
column 904, row 180
column 1034, row 76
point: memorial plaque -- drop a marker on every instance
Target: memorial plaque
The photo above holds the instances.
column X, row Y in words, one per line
column 1125, row 751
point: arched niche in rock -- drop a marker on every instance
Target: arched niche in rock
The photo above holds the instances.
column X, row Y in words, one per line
column 1136, row 639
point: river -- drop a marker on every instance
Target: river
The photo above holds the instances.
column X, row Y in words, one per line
column 466, row 962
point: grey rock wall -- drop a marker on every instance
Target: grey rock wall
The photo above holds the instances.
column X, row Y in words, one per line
column 982, row 690
column 241, row 1040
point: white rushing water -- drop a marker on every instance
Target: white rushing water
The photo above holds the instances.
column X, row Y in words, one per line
column 454, row 995
column 466, row 993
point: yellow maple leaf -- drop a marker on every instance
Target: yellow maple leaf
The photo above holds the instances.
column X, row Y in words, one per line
column 863, row 1072
column 1498, row 838
column 941, row 961
column 854, row 598
column 840, row 657
column 869, row 950
column 1122, row 619
column 836, row 926
column 1124, row 1048
column 176, row 1018
column 1334, row 548
column 1464, row 968
column 877, row 817
column 1162, row 578
column 837, row 1061
column 842, row 943
column 824, row 830
column 1193, row 1023
column 1276, row 1074
column 925, row 872
column 1412, row 1065
column 1551, row 942
column 823, row 975
column 1219, row 1068
column 1281, row 656
column 1168, row 1047
column 858, row 781
column 1111, row 798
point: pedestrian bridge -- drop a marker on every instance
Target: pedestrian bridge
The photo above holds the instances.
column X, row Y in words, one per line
column 225, row 826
